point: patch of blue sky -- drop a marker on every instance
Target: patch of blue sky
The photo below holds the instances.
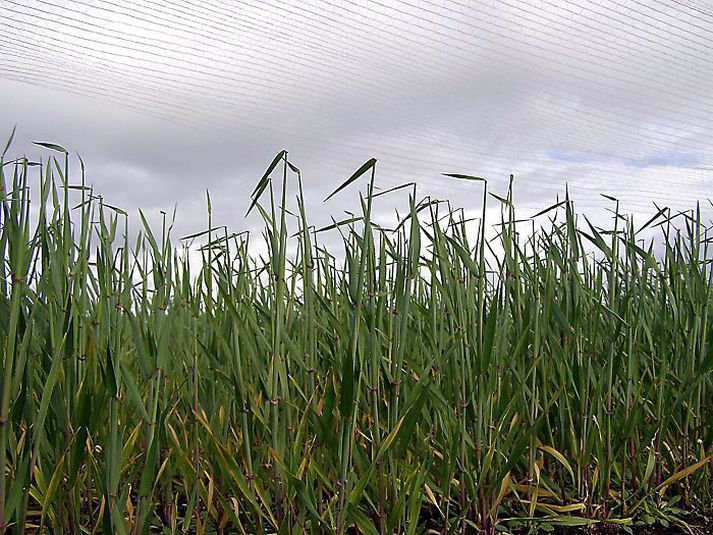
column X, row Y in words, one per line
column 668, row 158
column 571, row 156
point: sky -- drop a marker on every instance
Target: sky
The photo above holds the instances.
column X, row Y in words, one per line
column 167, row 99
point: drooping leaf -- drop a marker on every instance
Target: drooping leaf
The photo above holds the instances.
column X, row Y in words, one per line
column 51, row 146
column 369, row 164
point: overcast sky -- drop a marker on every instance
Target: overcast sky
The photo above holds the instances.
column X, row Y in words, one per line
column 165, row 99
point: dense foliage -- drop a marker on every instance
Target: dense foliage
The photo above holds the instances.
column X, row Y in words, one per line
column 424, row 379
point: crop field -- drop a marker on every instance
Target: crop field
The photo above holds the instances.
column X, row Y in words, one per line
column 520, row 375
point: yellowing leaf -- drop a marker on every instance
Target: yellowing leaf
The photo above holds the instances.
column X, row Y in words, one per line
column 683, row 473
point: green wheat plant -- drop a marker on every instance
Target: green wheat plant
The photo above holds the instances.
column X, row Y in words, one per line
column 426, row 378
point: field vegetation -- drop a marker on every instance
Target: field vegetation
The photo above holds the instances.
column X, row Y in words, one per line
column 425, row 378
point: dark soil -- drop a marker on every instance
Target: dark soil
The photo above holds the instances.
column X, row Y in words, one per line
column 700, row 525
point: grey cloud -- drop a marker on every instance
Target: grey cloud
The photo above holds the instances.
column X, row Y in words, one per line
column 163, row 105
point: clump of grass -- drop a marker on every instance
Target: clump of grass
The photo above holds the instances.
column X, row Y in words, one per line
column 424, row 379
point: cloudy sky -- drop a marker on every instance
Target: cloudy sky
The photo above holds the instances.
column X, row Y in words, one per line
column 167, row 98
